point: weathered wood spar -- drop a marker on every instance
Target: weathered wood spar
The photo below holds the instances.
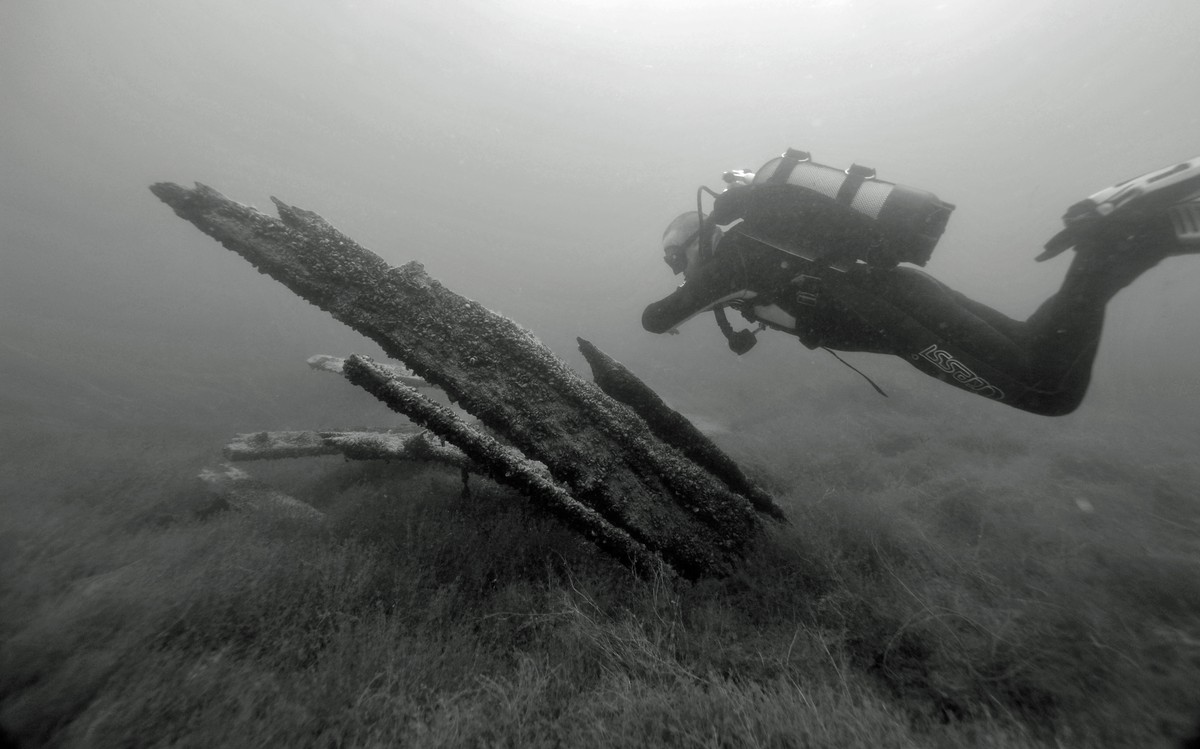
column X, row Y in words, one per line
column 604, row 456
column 351, row 445
column 672, row 428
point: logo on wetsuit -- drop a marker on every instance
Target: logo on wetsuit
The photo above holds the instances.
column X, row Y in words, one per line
column 959, row 372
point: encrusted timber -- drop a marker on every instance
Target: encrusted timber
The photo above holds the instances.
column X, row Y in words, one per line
column 673, row 428
column 502, row 463
column 244, row 493
column 352, row 445
column 336, row 365
column 498, row 372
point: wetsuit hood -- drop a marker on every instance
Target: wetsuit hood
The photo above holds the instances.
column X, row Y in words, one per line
column 680, row 242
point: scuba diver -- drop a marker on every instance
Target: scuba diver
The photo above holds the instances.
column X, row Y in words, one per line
column 814, row 251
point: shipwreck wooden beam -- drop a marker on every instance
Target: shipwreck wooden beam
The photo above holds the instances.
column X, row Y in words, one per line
column 336, row 364
column 353, row 445
column 504, row 464
column 244, row 493
column 673, row 428
column 497, row 371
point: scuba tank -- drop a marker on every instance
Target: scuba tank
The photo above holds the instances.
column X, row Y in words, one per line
column 825, row 215
column 830, row 215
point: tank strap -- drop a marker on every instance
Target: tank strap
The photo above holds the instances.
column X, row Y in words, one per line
column 787, row 163
column 855, row 176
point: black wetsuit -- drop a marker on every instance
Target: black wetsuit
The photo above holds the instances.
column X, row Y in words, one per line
column 1042, row 365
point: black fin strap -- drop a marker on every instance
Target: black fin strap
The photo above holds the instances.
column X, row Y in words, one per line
column 860, row 374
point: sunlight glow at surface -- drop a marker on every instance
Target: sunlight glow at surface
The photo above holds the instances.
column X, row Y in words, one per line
column 836, row 36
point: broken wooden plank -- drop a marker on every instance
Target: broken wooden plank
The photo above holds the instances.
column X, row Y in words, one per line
column 354, row 445
column 498, row 372
column 503, row 463
column 673, row 428
column 335, row 364
column 244, row 493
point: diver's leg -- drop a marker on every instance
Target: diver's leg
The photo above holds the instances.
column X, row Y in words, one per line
column 1042, row 365
column 1118, row 233
column 1064, row 333
column 939, row 331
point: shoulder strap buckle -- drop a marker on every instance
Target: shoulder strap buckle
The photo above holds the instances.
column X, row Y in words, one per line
column 806, row 289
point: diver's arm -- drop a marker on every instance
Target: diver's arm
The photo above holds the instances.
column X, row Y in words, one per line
column 670, row 312
column 716, row 282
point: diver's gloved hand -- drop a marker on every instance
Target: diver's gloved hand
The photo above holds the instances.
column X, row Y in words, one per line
column 665, row 314
column 716, row 281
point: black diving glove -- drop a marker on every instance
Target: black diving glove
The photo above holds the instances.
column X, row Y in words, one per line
column 670, row 311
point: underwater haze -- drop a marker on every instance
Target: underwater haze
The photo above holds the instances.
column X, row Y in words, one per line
column 529, row 154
